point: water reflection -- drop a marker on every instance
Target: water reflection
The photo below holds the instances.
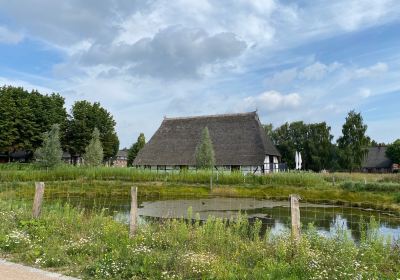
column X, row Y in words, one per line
column 275, row 215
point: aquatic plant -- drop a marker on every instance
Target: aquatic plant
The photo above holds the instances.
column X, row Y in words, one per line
column 94, row 246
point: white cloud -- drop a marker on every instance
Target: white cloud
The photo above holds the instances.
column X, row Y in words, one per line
column 282, row 77
column 174, row 52
column 338, row 73
column 67, row 23
column 26, row 85
column 371, row 71
column 272, row 101
column 364, row 92
column 312, row 72
column 317, row 71
column 131, row 56
column 10, row 37
column 363, row 12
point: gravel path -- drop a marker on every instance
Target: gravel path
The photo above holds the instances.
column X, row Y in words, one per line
column 13, row 271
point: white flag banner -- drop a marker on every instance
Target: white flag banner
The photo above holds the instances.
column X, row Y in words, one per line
column 300, row 161
column 297, row 160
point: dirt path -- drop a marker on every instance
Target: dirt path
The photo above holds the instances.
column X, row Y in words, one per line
column 13, row 271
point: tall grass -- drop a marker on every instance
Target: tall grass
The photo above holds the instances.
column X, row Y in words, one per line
column 94, row 246
column 373, row 187
column 137, row 175
column 360, row 177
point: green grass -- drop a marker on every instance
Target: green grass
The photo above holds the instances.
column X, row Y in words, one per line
column 373, row 187
column 69, row 172
column 378, row 191
column 114, row 192
column 94, row 246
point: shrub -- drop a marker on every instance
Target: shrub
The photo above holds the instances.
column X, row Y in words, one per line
column 397, row 197
column 375, row 186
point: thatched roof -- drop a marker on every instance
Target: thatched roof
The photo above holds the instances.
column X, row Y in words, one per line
column 376, row 158
column 122, row 153
column 238, row 139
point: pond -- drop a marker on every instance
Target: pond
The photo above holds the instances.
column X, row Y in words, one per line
column 274, row 214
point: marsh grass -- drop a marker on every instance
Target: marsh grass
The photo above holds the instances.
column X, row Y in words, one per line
column 116, row 193
column 103, row 184
column 94, row 246
column 373, row 187
column 69, row 172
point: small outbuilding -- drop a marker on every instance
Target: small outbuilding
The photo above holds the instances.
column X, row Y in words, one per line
column 239, row 142
column 121, row 159
column 376, row 161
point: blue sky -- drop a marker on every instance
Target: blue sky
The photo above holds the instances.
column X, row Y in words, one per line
column 143, row 60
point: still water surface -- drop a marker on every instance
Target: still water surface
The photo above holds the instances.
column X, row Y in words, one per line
column 274, row 215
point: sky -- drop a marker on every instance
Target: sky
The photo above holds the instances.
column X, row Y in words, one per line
column 143, row 60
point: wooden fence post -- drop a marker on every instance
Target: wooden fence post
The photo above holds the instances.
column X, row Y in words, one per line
column 295, row 216
column 133, row 215
column 37, row 202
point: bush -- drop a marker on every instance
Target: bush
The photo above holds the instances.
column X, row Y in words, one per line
column 375, row 186
column 397, row 197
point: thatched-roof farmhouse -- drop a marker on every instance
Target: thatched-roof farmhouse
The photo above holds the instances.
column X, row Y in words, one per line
column 239, row 143
column 121, row 159
column 377, row 161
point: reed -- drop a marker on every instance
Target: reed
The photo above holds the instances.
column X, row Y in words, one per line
column 94, row 246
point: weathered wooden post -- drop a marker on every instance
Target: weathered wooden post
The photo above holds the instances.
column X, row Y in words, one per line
column 133, row 214
column 295, row 216
column 37, row 202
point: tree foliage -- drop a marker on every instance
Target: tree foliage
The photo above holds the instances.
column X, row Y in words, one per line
column 312, row 140
column 205, row 158
column 353, row 143
column 26, row 116
column 269, row 129
column 84, row 118
column 50, row 153
column 94, row 150
column 393, row 151
column 135, row 148
column 318, row 147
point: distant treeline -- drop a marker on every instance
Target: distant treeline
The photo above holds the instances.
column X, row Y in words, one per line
column 316, row 145
column 26, row 116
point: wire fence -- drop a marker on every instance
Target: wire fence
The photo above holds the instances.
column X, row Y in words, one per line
column 162, row 203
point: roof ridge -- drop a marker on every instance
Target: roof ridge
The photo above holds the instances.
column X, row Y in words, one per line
column 211, row 116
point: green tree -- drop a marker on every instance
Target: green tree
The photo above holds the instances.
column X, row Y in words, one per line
column 205, row 158
column 50, row 153
column 94, row 150
column 353, row 143
column 318, row 147
column 314, row 141
column 85, row 116
column 135, row 148
column 290, row 138
column 393, row 151
column 268, row 128
column 26, row 116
